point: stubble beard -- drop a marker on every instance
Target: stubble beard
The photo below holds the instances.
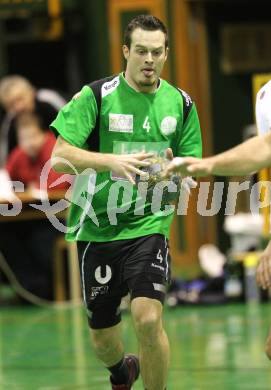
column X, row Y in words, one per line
column 147, row 83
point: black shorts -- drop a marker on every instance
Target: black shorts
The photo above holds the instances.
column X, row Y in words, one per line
column 109, row 270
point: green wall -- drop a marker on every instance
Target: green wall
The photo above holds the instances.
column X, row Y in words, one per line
column 96, row 42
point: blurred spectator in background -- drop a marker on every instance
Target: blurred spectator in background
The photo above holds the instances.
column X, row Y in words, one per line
column 18, row 95
column 28, row 245
column 34, row 150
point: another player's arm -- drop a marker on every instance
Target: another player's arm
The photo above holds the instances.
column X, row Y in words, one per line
column 82, row 159
column 248, row 157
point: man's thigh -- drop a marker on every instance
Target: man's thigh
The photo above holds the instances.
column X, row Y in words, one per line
column 147, row 270
column 109, row 270
column 101, row 283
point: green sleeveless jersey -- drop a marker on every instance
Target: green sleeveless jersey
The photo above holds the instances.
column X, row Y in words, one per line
column 105, row 207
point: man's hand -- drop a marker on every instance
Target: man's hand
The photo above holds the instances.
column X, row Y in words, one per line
column 128, row 165
column 187, row 183
column 189, row 166
column 263, row 274
column 176, row 167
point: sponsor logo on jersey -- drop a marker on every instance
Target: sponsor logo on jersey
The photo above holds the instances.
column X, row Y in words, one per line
column 113, row 84
column 124, row 147
column 122, row 123
column 110, row 86
column 168, row 125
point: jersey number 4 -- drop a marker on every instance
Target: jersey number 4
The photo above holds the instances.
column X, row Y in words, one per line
column 146, row 124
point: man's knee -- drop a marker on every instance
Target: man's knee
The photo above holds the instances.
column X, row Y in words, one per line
column 147, row 320
column 103, row 340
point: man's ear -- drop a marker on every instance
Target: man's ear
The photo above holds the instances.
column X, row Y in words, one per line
column 167, row 49
column 126, row 51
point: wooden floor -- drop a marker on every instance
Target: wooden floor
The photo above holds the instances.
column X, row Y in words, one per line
column 219, row 347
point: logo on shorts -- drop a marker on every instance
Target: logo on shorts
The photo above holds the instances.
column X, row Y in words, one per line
column 103, row 277
column 101, row 290
column 168, row 125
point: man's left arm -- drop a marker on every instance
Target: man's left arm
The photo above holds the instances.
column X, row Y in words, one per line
column 188, row 144
column 189, row 140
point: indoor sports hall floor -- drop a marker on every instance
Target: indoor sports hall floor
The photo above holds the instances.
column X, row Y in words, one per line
column 219, row 347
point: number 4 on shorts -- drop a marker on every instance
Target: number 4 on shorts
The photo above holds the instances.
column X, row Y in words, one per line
column 159, row 256
column 146, row 124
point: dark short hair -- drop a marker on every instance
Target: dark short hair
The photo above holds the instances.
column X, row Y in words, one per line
column 145, row 22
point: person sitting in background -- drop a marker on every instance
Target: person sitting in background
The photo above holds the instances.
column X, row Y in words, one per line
column 26, row 161
column 28, row 245
column 18, row 95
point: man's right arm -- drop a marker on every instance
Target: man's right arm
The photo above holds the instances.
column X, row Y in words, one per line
column 72, row 127
column 65, row 157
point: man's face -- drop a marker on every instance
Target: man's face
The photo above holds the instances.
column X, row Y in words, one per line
column 145, row 59
column 19, row 99
column 31, row 139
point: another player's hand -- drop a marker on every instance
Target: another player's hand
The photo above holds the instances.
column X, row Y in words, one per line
column 263, row 273
column 189, row 166
column 187, row 182
column 128, row 165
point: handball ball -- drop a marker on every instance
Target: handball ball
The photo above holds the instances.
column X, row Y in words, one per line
column 169, row 187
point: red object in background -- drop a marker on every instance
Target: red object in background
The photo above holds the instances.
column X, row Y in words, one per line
column 21, row 167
